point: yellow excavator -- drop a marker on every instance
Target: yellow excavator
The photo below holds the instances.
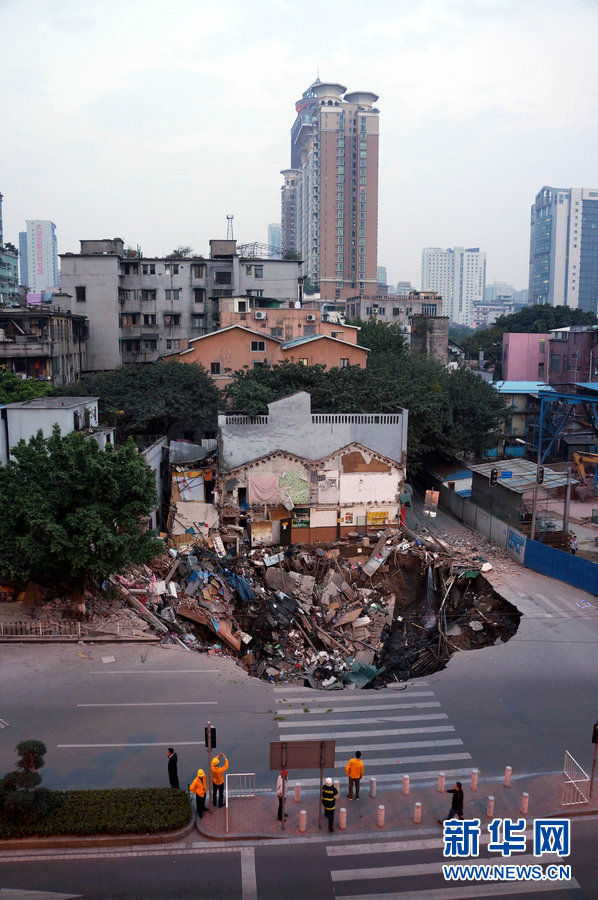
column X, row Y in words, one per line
column 579, row 459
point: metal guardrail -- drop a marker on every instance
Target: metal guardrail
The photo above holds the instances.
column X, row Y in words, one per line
column 31, row 628
column 576, row 787
column 238, row 785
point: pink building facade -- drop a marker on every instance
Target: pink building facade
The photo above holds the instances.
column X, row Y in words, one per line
column 525, row 357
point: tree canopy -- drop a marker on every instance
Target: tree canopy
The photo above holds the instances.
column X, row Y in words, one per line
column 449, row 411
column 16, row 390
column 537, row 319
column 151, row 398
column 71, row 510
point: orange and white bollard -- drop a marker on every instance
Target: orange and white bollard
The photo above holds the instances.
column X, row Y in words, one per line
column 474, row 779
column 298, row 792
column 372, row 787
column 380, row 817
column 342, row 818
column 508, row 773
column 490, row 807
column 524, row 803
column 417, row 813
column 440, row 782
column 303, row 820
column 406, row 785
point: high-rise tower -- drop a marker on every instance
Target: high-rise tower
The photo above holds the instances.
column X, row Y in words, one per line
column 330, row 193
column 563, row 262
column 39, row 255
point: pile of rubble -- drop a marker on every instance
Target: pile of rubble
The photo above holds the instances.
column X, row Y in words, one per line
column 326, row 617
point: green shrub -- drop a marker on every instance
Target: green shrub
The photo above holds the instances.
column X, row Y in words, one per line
column 117, row 811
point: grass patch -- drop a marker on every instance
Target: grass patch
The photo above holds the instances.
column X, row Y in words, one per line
column 115, row 811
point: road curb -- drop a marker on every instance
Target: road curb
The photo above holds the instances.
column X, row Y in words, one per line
column 112, row 840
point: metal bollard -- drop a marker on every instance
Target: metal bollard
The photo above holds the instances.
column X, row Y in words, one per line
column 303, row 820
column 380, row 817
column 524, row 803
column 474, row 779
column 372, row 787
column 342, row 818
column 406, row 784
column 440, row 782
column 417, row 813
column 298, row 792
column 508, row 773
column 490, row 807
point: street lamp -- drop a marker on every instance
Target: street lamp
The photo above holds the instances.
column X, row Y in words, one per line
column 532, row 530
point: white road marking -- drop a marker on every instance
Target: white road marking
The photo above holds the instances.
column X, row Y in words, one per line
column 331, row 735
column 350, row 696
column 377, row 763
column 334, row 709
column 12, row 894
column 370, row 719
column 473, row 891
column 436, row 867
column 152, row 671
column 248, row 874
column 148, row 744
column 157, row 703
column 407, row 745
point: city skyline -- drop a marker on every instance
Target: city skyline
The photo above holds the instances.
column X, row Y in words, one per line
column 151, row 151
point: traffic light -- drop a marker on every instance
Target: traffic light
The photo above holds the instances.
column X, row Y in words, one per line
column 540, row 475
column 210, row 738
column 493, row 476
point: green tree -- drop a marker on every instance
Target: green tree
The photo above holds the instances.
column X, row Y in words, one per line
column 180, row 253
column 291, row 254
column 16, row 390
column 381, row 337
column 20, row 801
column 152, row 397
column 72, row 511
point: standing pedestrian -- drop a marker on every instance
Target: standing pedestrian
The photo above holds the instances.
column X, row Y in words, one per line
column 199, row 787
column 354, row 769
column 574, row 545
column 173, row 774
column 329, row 795
column 218, row 767
column 456, row 810
column 281, row 792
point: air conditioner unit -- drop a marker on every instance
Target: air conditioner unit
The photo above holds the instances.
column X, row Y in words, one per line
column 259, row 314
column 310, row 317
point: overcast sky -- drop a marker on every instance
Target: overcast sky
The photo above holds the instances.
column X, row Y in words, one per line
column 151, row 120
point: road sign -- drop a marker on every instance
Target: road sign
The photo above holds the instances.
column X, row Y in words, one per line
column 505, row 474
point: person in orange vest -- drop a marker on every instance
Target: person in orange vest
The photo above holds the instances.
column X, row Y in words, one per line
column 354, row 769
column 218, row 767
column 199, row 786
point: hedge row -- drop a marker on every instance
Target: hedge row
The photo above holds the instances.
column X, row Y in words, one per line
column 116, row 811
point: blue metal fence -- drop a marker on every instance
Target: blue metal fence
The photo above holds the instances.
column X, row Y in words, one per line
column 578, row 572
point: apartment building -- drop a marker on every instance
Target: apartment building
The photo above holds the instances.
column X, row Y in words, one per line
column 140, row 308
column 459, row 275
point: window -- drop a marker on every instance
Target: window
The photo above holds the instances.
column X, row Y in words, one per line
column 543, row 346
column 148, row 294
column 172, row 268
column 276, row 332
column 172, row 295
column 149, row 320
column 172, row 345
column 172, row 319
column 555, row 362
column 221, row 277
column 259, row 271
column 149, row 269
column 248, row 270
column 258, row 346
column 150, row 345
column 344, row 362
column 303, row 360
column 215, row 368
column 396, row 310
column 199, row 295
column 198, row 271
column 80, row 294
column 309, row 329
column 337, row 334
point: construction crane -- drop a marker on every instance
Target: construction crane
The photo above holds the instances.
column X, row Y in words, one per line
column 579, row 459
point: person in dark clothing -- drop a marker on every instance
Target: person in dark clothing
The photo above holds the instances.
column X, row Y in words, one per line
column 456, row 810
column 329, row 795
column 173, row 775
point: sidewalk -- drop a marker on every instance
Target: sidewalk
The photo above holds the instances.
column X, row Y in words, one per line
column 250, row 818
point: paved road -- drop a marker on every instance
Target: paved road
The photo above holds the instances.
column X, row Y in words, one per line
column 406, row 868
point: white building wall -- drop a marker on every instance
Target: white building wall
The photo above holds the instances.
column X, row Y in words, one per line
column 370, row 487
column 21, row 421
column 42, row 255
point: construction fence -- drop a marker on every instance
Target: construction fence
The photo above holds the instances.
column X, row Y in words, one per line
column 573, row 570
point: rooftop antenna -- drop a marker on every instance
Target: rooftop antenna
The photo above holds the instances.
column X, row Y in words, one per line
column 229, row 228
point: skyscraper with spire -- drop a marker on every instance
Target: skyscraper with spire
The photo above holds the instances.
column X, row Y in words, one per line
column 329, row 208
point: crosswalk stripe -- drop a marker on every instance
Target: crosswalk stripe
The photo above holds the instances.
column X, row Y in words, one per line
column 333, row 735
column 466, row 891
column 325, row 709
column 376, row 763
column 405, row 745
column 312, row 723
column 404, row 871
column 300, row 693
column 399, row 846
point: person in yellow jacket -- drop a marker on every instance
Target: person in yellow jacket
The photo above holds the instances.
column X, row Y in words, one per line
column 354, row 769
column 199, row 787
column 218, row 766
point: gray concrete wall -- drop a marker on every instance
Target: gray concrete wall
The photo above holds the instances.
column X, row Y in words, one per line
column 291, row 426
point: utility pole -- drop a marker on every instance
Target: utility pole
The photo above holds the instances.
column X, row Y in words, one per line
column 532, row 531
column 567, row 501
